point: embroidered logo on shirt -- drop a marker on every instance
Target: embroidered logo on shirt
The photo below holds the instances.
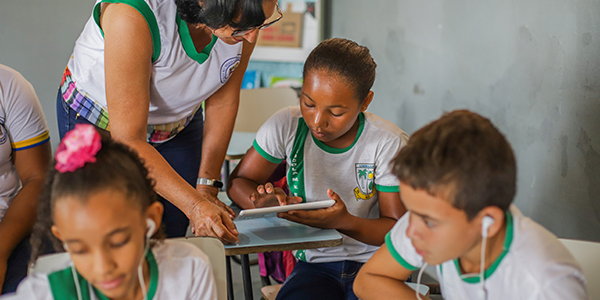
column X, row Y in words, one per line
column 229, row 66
column 364, row 179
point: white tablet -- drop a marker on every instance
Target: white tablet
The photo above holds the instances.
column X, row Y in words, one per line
column 271, row 211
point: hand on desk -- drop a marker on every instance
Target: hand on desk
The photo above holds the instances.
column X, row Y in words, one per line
column 326, row 218
column 268, row 195
column 209, row 217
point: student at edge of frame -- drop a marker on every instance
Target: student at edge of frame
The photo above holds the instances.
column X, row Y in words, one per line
column 457, row 181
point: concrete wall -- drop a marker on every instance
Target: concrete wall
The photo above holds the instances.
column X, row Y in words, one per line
column 531, row 66
column 36, row 39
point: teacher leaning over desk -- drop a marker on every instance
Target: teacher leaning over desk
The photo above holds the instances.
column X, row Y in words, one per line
column 141, row 70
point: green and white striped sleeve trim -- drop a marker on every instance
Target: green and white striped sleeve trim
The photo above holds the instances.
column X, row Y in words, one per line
column 266, row 155
column 396, row 255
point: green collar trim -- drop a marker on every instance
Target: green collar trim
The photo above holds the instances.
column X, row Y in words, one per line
column 146, row 12
column 507, row 242
column 63, row 287
column 188, row 44
column 329, row 149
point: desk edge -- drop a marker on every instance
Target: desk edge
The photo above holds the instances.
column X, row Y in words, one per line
column 284, row 247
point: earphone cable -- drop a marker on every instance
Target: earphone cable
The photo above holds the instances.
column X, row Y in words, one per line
column 482, row 269
column 419, row 281
column 141, row 268
column 77, row 286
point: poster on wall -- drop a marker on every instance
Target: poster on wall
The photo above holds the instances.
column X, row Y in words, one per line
column 293, row 37
column 287, row 32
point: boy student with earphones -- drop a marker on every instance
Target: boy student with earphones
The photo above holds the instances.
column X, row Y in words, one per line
column 100, row 206
column 457, row 181
column 334, row 149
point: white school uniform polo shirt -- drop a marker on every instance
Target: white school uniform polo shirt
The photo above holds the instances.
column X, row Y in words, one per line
column 22, row 126
column 178, row 270
column 355, row 173
column 534, row 265
column 182, row 78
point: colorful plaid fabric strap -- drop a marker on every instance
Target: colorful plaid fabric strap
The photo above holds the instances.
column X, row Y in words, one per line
column 160, row 133
column 82, row 104
column 98, row 115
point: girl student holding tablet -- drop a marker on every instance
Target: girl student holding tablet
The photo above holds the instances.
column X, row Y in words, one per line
column 334, row 149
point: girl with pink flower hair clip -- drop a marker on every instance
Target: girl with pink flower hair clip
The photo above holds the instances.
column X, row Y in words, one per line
column 99, row 206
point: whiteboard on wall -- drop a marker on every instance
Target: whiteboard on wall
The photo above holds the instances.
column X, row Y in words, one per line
column 312, row 33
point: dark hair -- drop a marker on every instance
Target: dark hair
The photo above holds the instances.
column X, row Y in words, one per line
column 117, row 167
column 220, row 13
column 462, row 158
column 347, row 59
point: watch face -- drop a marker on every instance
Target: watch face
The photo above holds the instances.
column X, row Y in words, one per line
column 217, row 184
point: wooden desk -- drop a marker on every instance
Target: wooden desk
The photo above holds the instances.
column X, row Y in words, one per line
column 274, row 234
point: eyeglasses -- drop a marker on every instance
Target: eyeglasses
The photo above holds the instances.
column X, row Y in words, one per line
column 241, row 32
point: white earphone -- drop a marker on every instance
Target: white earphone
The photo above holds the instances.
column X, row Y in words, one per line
column 485, row 225
column 151, row 227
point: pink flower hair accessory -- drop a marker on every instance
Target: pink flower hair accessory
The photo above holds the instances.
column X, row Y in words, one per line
column 78, row 147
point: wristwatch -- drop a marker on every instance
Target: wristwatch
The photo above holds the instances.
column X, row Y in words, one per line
column 210, row 182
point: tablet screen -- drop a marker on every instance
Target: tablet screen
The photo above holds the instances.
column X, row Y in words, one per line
column 266, row 212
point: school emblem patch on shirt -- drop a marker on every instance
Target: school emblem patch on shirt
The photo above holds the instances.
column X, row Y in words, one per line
column 364, row 179
column 229, row 66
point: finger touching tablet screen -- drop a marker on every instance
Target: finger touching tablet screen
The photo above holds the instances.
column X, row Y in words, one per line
column 266, row 212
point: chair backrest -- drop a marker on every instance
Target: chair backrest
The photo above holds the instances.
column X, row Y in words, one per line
column 213, row 248
column 257, row 105
column 49, row 263
column 588, row 255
